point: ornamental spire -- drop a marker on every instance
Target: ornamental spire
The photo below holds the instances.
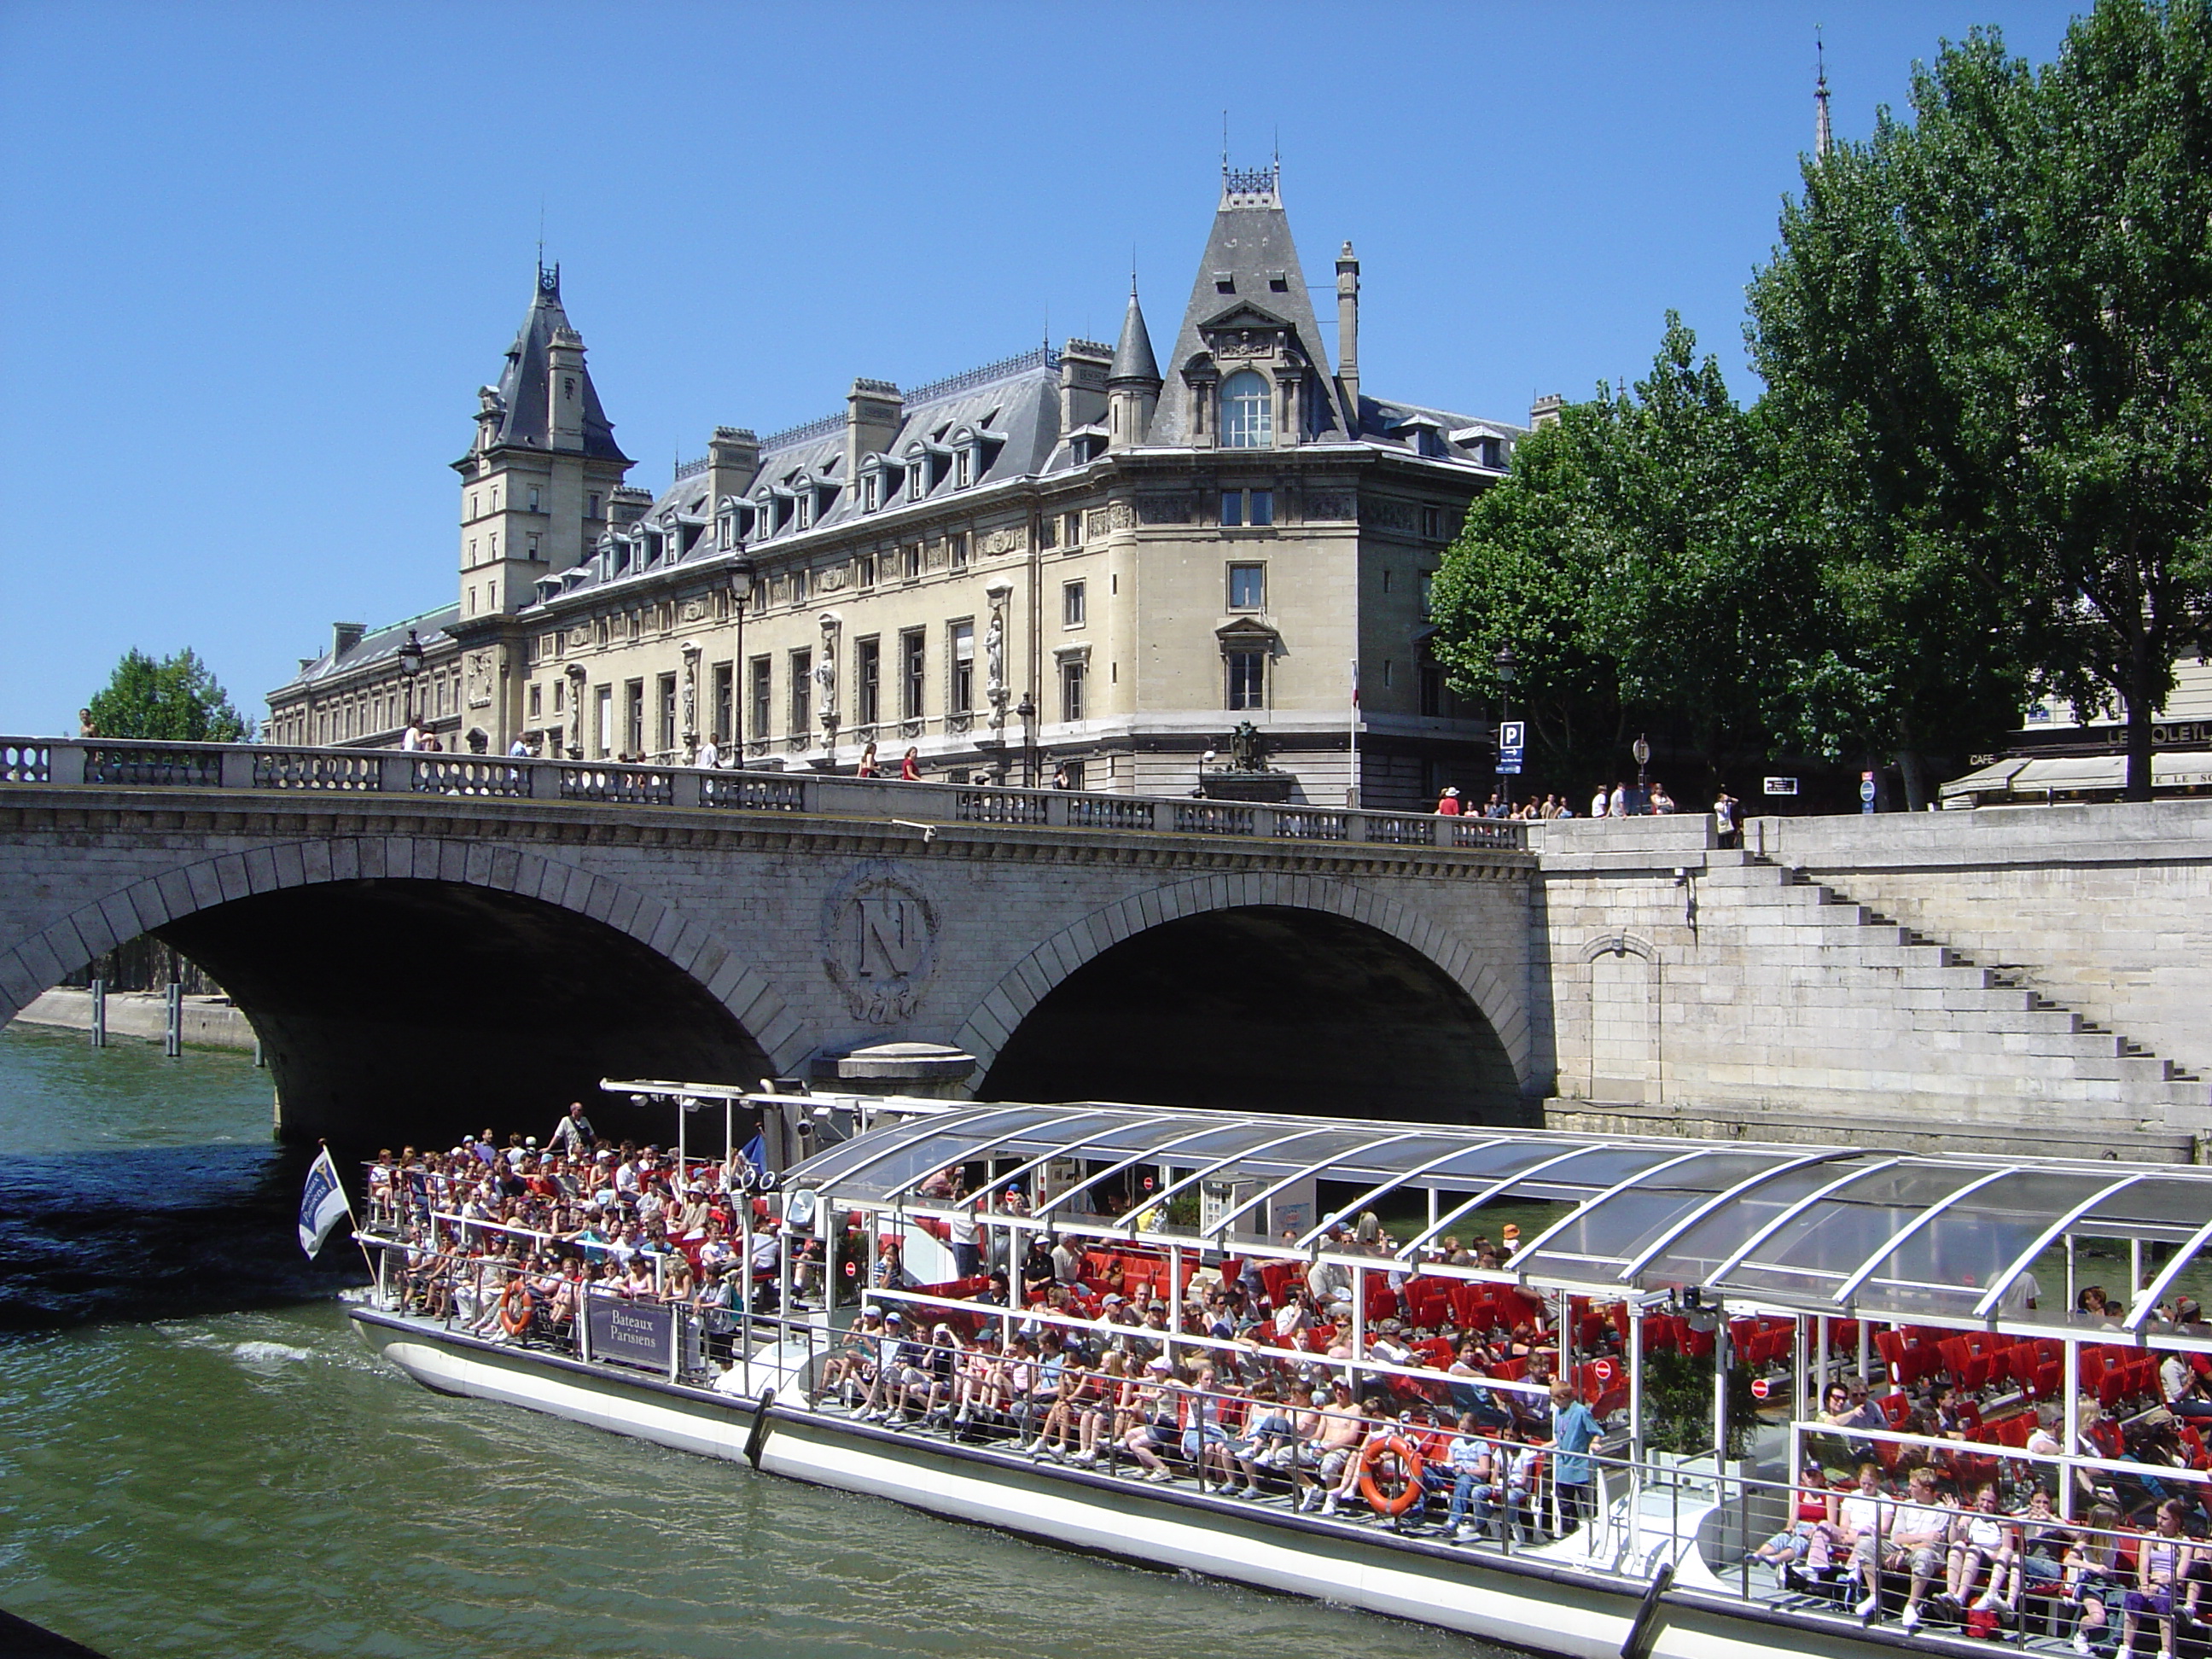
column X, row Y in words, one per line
column 1824, row 138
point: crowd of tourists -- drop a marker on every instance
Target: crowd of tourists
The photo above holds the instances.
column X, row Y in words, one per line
column 1622, row 801
column 1478, row 1415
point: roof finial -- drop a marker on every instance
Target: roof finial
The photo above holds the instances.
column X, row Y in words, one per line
column 1133, row 271
column 1823, row 137
column 1224, row 144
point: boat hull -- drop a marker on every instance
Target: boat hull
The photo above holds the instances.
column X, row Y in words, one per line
column 1549, row 1607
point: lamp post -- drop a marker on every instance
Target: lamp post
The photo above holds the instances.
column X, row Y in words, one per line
column 410, row 665
column 1027, row 709
column 1506, row 667
column 741, row 593
column 1642, row 750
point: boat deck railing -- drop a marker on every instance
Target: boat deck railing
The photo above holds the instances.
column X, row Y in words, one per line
column 1718, row 1531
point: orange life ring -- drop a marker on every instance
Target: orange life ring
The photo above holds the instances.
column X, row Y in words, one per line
column 1409, row 1463
column 516, row 1294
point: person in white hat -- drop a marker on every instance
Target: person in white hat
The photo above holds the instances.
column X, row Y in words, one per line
column 1447, row 803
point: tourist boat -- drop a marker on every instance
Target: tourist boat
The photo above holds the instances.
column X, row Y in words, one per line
column 1784, row 1266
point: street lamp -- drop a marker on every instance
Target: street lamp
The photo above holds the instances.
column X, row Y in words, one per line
column 1506, row 667
column 741, row 593
column 1204, row 761
column 1027, row 709
column 410, row 665
column 1642, row 750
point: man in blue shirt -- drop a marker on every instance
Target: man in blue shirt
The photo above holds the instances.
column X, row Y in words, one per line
column 1573, row 1430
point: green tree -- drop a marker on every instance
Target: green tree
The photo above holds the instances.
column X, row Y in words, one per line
column 1985, row 337
column 1629, row 562
column 175, row 699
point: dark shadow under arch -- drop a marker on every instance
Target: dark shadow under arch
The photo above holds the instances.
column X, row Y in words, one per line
column 1266, row 1008
column 397, row 1009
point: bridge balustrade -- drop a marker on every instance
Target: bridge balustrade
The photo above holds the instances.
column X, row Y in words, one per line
column 294, row 768
column 112, row 763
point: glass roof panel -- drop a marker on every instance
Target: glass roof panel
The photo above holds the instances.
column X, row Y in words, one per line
column 2175, row 1203
column 1692, row 1258
column 921, row 1148
column 1830, row 1239
column 1614, row 1226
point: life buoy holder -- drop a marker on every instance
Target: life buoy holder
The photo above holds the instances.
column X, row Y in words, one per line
column 1391, row 1448
column 516, row 1304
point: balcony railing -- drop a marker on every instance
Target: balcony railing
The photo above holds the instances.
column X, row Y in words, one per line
column 69, row 763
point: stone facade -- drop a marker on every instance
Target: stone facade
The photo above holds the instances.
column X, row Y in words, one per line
column 1072, row 559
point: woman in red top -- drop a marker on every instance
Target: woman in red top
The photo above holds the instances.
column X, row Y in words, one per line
column 1448, row 803
column 911, row 766
column 867, row 767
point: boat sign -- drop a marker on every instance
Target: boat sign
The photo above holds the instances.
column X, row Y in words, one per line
column 633, row 1333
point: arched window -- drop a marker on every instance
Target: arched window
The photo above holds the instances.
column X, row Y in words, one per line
column 1247, row 411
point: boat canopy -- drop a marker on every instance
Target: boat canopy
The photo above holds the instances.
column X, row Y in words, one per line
column 1833, row 1231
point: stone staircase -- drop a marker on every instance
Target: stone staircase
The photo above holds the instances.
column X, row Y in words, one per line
column 2062, row 1054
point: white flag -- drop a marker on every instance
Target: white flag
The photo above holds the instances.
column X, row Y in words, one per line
column 323, row 1204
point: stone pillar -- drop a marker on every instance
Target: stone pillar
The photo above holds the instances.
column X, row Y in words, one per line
column 928, row 1070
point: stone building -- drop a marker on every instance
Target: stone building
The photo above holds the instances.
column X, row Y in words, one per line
column 1082, row 560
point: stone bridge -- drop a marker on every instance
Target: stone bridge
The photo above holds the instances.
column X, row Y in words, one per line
column 422, row 939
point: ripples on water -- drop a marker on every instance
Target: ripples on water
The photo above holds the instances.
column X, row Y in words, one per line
column 196, row 1457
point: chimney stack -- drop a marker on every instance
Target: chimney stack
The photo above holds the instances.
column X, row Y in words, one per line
column 874, row 410
column 1545, row 411
column 1347, row 334
column 1083, row 367
column 345, row 636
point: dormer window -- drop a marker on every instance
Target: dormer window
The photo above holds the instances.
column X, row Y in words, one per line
column 917, row 477
column 1225, row 282
column 726, row 526
column 1247, row 411
column 964, row 466
column 872, row 491
column 806, row 510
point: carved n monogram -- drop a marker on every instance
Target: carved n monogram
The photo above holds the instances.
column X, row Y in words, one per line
column 879, row 936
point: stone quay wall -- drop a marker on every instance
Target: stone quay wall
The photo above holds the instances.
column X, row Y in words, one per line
column 2007, row 981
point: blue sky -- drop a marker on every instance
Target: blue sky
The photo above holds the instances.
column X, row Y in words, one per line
column 258, row 258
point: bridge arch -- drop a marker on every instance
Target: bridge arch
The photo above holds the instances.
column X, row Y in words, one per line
column 401, row 923
column 1419, row 1022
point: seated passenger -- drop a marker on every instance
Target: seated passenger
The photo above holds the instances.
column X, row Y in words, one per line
column 2093, row 1579
column 1338, row 1431
column 1917, row 1537
column 1472, row 1465
column 2162, row 1559
column 1982, row 1539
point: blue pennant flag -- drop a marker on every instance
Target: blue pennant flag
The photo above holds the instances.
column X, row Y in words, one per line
column 323, row 1205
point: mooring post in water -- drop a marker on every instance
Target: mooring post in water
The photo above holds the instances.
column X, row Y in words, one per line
column 100, row 1014
column 172, row 1036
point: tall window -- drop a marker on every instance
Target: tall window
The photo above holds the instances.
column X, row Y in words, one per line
column 634, row 718
column 1071, row 689
column 1248, row 679
column 1248, row 587
column 957, row 547
column 913, row 661
column 668, row 733
column 802, row 689
column 1071, row 605
column 725, row 699
column 1247, row 411
column 867, row 675
column 603, row 729
column 910, row 562
column 761, row 672
column 964, row 669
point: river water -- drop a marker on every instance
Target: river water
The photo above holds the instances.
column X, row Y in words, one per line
column 196, row 1457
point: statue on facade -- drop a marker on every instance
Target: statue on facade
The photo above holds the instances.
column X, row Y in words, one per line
column 825, row 683
column 1247, row 750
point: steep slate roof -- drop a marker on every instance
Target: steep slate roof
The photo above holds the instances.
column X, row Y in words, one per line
column 1249, row 247
column 1016, row 404
column 523, row 384
column 377, row 645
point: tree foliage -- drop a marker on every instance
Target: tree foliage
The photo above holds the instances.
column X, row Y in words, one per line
column 1986, row 335
column 1978, row 468
column 175, row 699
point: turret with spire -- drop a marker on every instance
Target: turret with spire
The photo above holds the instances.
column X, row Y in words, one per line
column 1823, row 139
column 1133, row 384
